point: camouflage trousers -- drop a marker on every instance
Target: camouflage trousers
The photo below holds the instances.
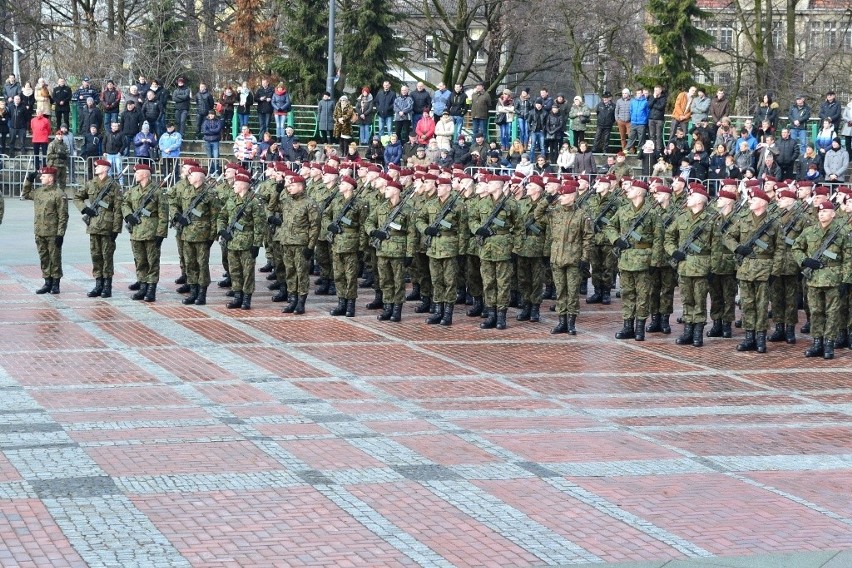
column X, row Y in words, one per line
column 225, row 259
column 296, row 267
column 635, row 293
column 693, row 294
column 473, row 275
column 845, row 312
column 278, row 261
column 241, row 263
column 420, row 273
column 825, row 311
column 754, row 301
column 323, row 259
column 443, row 272
column 146, row 255
column 784, row 296
column 196, row 255
column 530, row 274
column 603, row 263
column 49, row 256
column 496, row 282
column 102, row 250
column 370, row 262
column 723, row 295
column 346, row 274
column 567, row 282
column 179, row 242
column 663, row 283
column 391, row 273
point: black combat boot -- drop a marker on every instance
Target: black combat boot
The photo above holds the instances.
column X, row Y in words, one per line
column 828, row 349
column 816, row 349
column 202, row 296
column 738, row 323
column 572, row 324
column 350, row 308
column 698, row 335
column 107, row 291
column 387, row 311
column 584, row 286
column 727, row 332
column 626, row 330
column 98, row 289
column 461, row 296
column 274, row 286
column 340, row 309
column 280, row 295
column 425, row 305
column 778, row 334
column 535, row 313
column 377, row 303
column 300, row 305
column 368, row 281
column 193, row 295
column 414, row 295
column 605, row 297
column 490, row 318
column 135, row 286
column 291, row 307
column 324, row 287
column 524, row 314
column 151, row 294
column 842, row 339
column 48, row 284
column 448, row 314
column 54, row 286
column 271, row 277
column 595, row 298
column 685, row 338
column 562, row 326
column 760, row 341
column 140, row 293
column 501, row 319
column 748, row 343
column 640, row 329
column 716, row 329
column 476, row 308
column 437, row 314
column 665, row 327
column 267, row 267
column 225, row 282
column 183, row 289
column 396, row 315
column 807, row 327
column 790, row 334
column 181, row 279
column 236, row 303
column 548, row 290
column 655, row 324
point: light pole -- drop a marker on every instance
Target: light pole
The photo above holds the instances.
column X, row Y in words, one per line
column 16, row 68
column 329, row 81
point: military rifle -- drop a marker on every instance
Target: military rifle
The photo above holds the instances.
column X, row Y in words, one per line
column 228, row 233
column 493, row 219
column 180, row 221
column 440, row 221
column 136, row 217
column 791, row 223
column 341, row 217
column 390, row 222
column 822, row 251
column 689, row 243
column 601, row 217
column 99, row 202
column 754, row 239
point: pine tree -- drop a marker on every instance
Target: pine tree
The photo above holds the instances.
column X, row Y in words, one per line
column 368, row 46
column 677, row 40
column 250, row 40
column 163, row 54
column 305, row 40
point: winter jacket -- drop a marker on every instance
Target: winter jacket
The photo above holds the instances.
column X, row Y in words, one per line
column 142, row 143
column 700, row 108
column 719, row 108
column 584, row 162
column 657, row 107
column 763, row 112
column 835, row 162
column 384, row 103
column 264, row 106
column 830, row 111
column 170, row 144
column 480, row 105
column 802, row 114
column 40, row 127
column 243, row 102
column 203, row 102
column 622, row 110
column 554, row 126
column 402, row 104
column 458, row 104
column 325, row 115
column 639, row 111
column 393, row 153
column 151, row 111
column 788, row 151
column 131, row 122
column 62, row 97
column 421, row 99
column 281, row 101
column 523, row 108
column 113, row 142
column 211, row 129
column 440, row 102
column 181, row 96
column 91, row 145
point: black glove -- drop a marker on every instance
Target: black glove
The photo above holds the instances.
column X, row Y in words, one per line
column 31, row 177
column 843, row 290
column 551, row 197
column 622, row 244
column 812, row 263
column 679, row 255
column 254, row 251
column 483, row 232
column 406, row 262
column 514, row 257
column 59, row 240
column 274, row 220
column 377, row 234
column 771, row 279
column 711, row 278
column 431, row 231
column 182, row 221
column 159, row 241
column 334, row 229
column 89, row 211
column 224, row 234
column 308, row 253
column 583, row 266
column 132, row 220
column 743, row 250
column 113, row 236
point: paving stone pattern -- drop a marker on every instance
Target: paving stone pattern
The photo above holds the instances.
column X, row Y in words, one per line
column 134, row 434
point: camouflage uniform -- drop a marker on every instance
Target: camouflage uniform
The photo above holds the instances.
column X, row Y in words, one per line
column 57, row 156
column 297, row 235
column 420, row 275
column 320, row 194
column 223, row 192
column 663, row 284
column 146, row 236
column 601, row 256
column 723, row 281
column 199, row 235
column 346, row 245
column 442, row 251
column 173, row 194
column 530, row 252
column 473, row 273
column 103, row 228
column 245, row 242
column 50, row 210
column 784, row 291
column 391, row 254
column 495, row 253
column 692, row 271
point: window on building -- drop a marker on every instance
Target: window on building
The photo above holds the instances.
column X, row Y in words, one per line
column 725, row 38
column 778, row 33
column 815, row 37
column 431, row 51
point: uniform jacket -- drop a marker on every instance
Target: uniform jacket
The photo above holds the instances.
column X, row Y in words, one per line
column 698, row 257
column 151, row 226
column 202, row 226
column 499, row 246
column 401, row 242
column 300, row 222
column 530, row 239
column 109, row 216
column 353, row 238
column 638, row 257
column 758, row 266
column 811, row 239
column 253, row 221
column 450, row 240
column 570, row 231
column 50, row 209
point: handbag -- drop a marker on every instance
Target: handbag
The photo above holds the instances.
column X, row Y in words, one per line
column 501, row 118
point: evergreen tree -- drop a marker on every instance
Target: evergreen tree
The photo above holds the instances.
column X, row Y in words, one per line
column 677, row 40
column 303, row 66
column 164, row 50
column 367, row 47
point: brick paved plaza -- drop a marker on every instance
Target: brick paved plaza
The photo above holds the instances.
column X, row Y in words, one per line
column 138, row 434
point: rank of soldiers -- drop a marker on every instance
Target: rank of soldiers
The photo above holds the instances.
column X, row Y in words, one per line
column 490, row 242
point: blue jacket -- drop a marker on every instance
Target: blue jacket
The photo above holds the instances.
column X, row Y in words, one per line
column 170, row 144
column 440, row 102
column 639, row 111
column 212, row 130
column 393, row 153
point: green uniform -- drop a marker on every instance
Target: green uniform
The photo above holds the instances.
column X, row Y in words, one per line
column 104, row 227
column 723, row 269
column 146, row 235
column 495, row 252
column 601, row 256
column 784, row 291
column 320, row 193
column 473, row 274
column 298, row 233
column 443, row 250
column 247, row 233
column 199, row 234
column 392, row 252
column 50, row 211
column 571, row 243
column 273, row 209
column 57, row 156
column 663, row 279
column 223, row 192
column 173, row 196
column 346, row 245
column 694, row 270
column 420, row 264
column 530, row 251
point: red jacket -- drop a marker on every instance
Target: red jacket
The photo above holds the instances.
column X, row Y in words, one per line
column 425, row 129
column 40, row 127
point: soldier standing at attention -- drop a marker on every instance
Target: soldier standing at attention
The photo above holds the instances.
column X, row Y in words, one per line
column 242, row 225
column 472, row 265
column 145, row 213
column 783, row 293
column 601, row 256
column 344, row 220
column 445, row 236
column 723, row 268
column 636, row 241
column 395, row 249
column 196, row 219
column 298, row 231
column 50, row 209
column 321, row 186
column 99, row 200
column 572, row 235
column 663, row 276
column 278, row 193
column 693, row 258
column 826, row 273
column 495, row 252
column 420, row 277
column 530, row 252
column 57, row 157
column 174, row 196
column 844, row 212
column 754, row 274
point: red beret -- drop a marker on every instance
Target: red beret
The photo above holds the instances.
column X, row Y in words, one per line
column 729, row 181
column 316, row 166
column 821, row 190
column 568, row 188
column 242, row 178
column 297, row 179
column 536, row 180
column 639, row 183
column 620, row 154
column 445, row 180
column 374, row 168
column 198, row 170
column 806, row 183
column 844, row 189
column 458, row 166
column 698, row 189
column 281, row 167
column 230, row 166
column 825, row 205
column 50, row 170
column 102, row 163
column 348, row 180
column 752, row 183
column 406, row 172
column 191, row 163
column 769, row 178
column 664, row 189
column 787, row 193
column 655, row 180
column 463, row 176
column 430, row 177
column 393, row 166
column 760, row 194
column 433, row 166
column 395, row 184
column 330, row 170
column 728, row 194
column 141, row 167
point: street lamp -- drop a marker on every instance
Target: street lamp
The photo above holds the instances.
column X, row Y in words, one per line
column 16, row 68
column 329, row 81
